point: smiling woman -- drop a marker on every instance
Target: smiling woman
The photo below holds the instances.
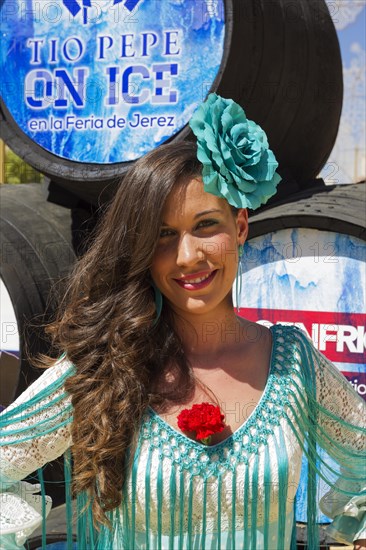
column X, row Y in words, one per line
column 198, row 252
column 146, row 332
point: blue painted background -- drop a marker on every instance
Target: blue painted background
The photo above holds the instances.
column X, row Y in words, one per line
column 201, row 27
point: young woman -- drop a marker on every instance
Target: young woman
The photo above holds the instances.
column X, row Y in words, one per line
column 187, row 424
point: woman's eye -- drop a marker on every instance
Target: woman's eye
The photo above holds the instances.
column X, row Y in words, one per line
column 165, row 232
column 203, row 223
column 206, row 223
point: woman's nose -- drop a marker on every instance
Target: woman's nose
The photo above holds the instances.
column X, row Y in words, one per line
column 190, row 250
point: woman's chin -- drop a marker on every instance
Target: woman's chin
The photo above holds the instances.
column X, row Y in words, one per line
column 195, row 306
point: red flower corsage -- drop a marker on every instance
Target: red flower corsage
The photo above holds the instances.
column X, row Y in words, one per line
column 203, row 419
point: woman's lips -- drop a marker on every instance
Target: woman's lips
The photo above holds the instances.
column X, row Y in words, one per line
column 197, row 286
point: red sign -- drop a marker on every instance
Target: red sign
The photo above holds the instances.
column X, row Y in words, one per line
column 339, row 336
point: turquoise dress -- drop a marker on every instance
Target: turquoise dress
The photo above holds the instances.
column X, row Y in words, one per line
column 237, row 494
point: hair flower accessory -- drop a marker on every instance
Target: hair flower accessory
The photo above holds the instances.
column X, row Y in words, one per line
column 203, row 419
column 237, row 163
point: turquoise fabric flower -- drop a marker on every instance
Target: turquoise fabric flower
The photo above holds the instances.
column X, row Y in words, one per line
column 237, row 163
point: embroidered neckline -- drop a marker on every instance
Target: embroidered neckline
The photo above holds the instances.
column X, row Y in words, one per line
column 249, row 423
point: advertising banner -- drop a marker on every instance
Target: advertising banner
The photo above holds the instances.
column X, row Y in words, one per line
column 106, row 81
column 317, row 281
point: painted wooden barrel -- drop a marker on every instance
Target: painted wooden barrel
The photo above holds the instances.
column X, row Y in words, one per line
column 91, row 87
column 304, row 264
column 36, row 253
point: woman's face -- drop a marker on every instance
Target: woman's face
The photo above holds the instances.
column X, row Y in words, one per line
column 199, row 239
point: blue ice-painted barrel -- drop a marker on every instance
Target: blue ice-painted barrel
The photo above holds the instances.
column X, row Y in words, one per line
column 92, row 85
column 304, row 264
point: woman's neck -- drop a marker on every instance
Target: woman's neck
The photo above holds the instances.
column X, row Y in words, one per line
column 208, row 336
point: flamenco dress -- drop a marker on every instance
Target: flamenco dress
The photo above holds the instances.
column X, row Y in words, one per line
column 179, row 494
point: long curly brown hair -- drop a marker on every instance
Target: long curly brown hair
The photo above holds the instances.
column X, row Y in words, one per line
column 105, row 324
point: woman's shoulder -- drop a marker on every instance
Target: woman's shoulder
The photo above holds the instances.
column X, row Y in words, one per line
column 278, row 334
column 289, row 333
column 54, row 377
column 292, row 347
column 62, row 365
column 50, row 382
column 255, row 332
column 301, row 355
column 58, row 370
